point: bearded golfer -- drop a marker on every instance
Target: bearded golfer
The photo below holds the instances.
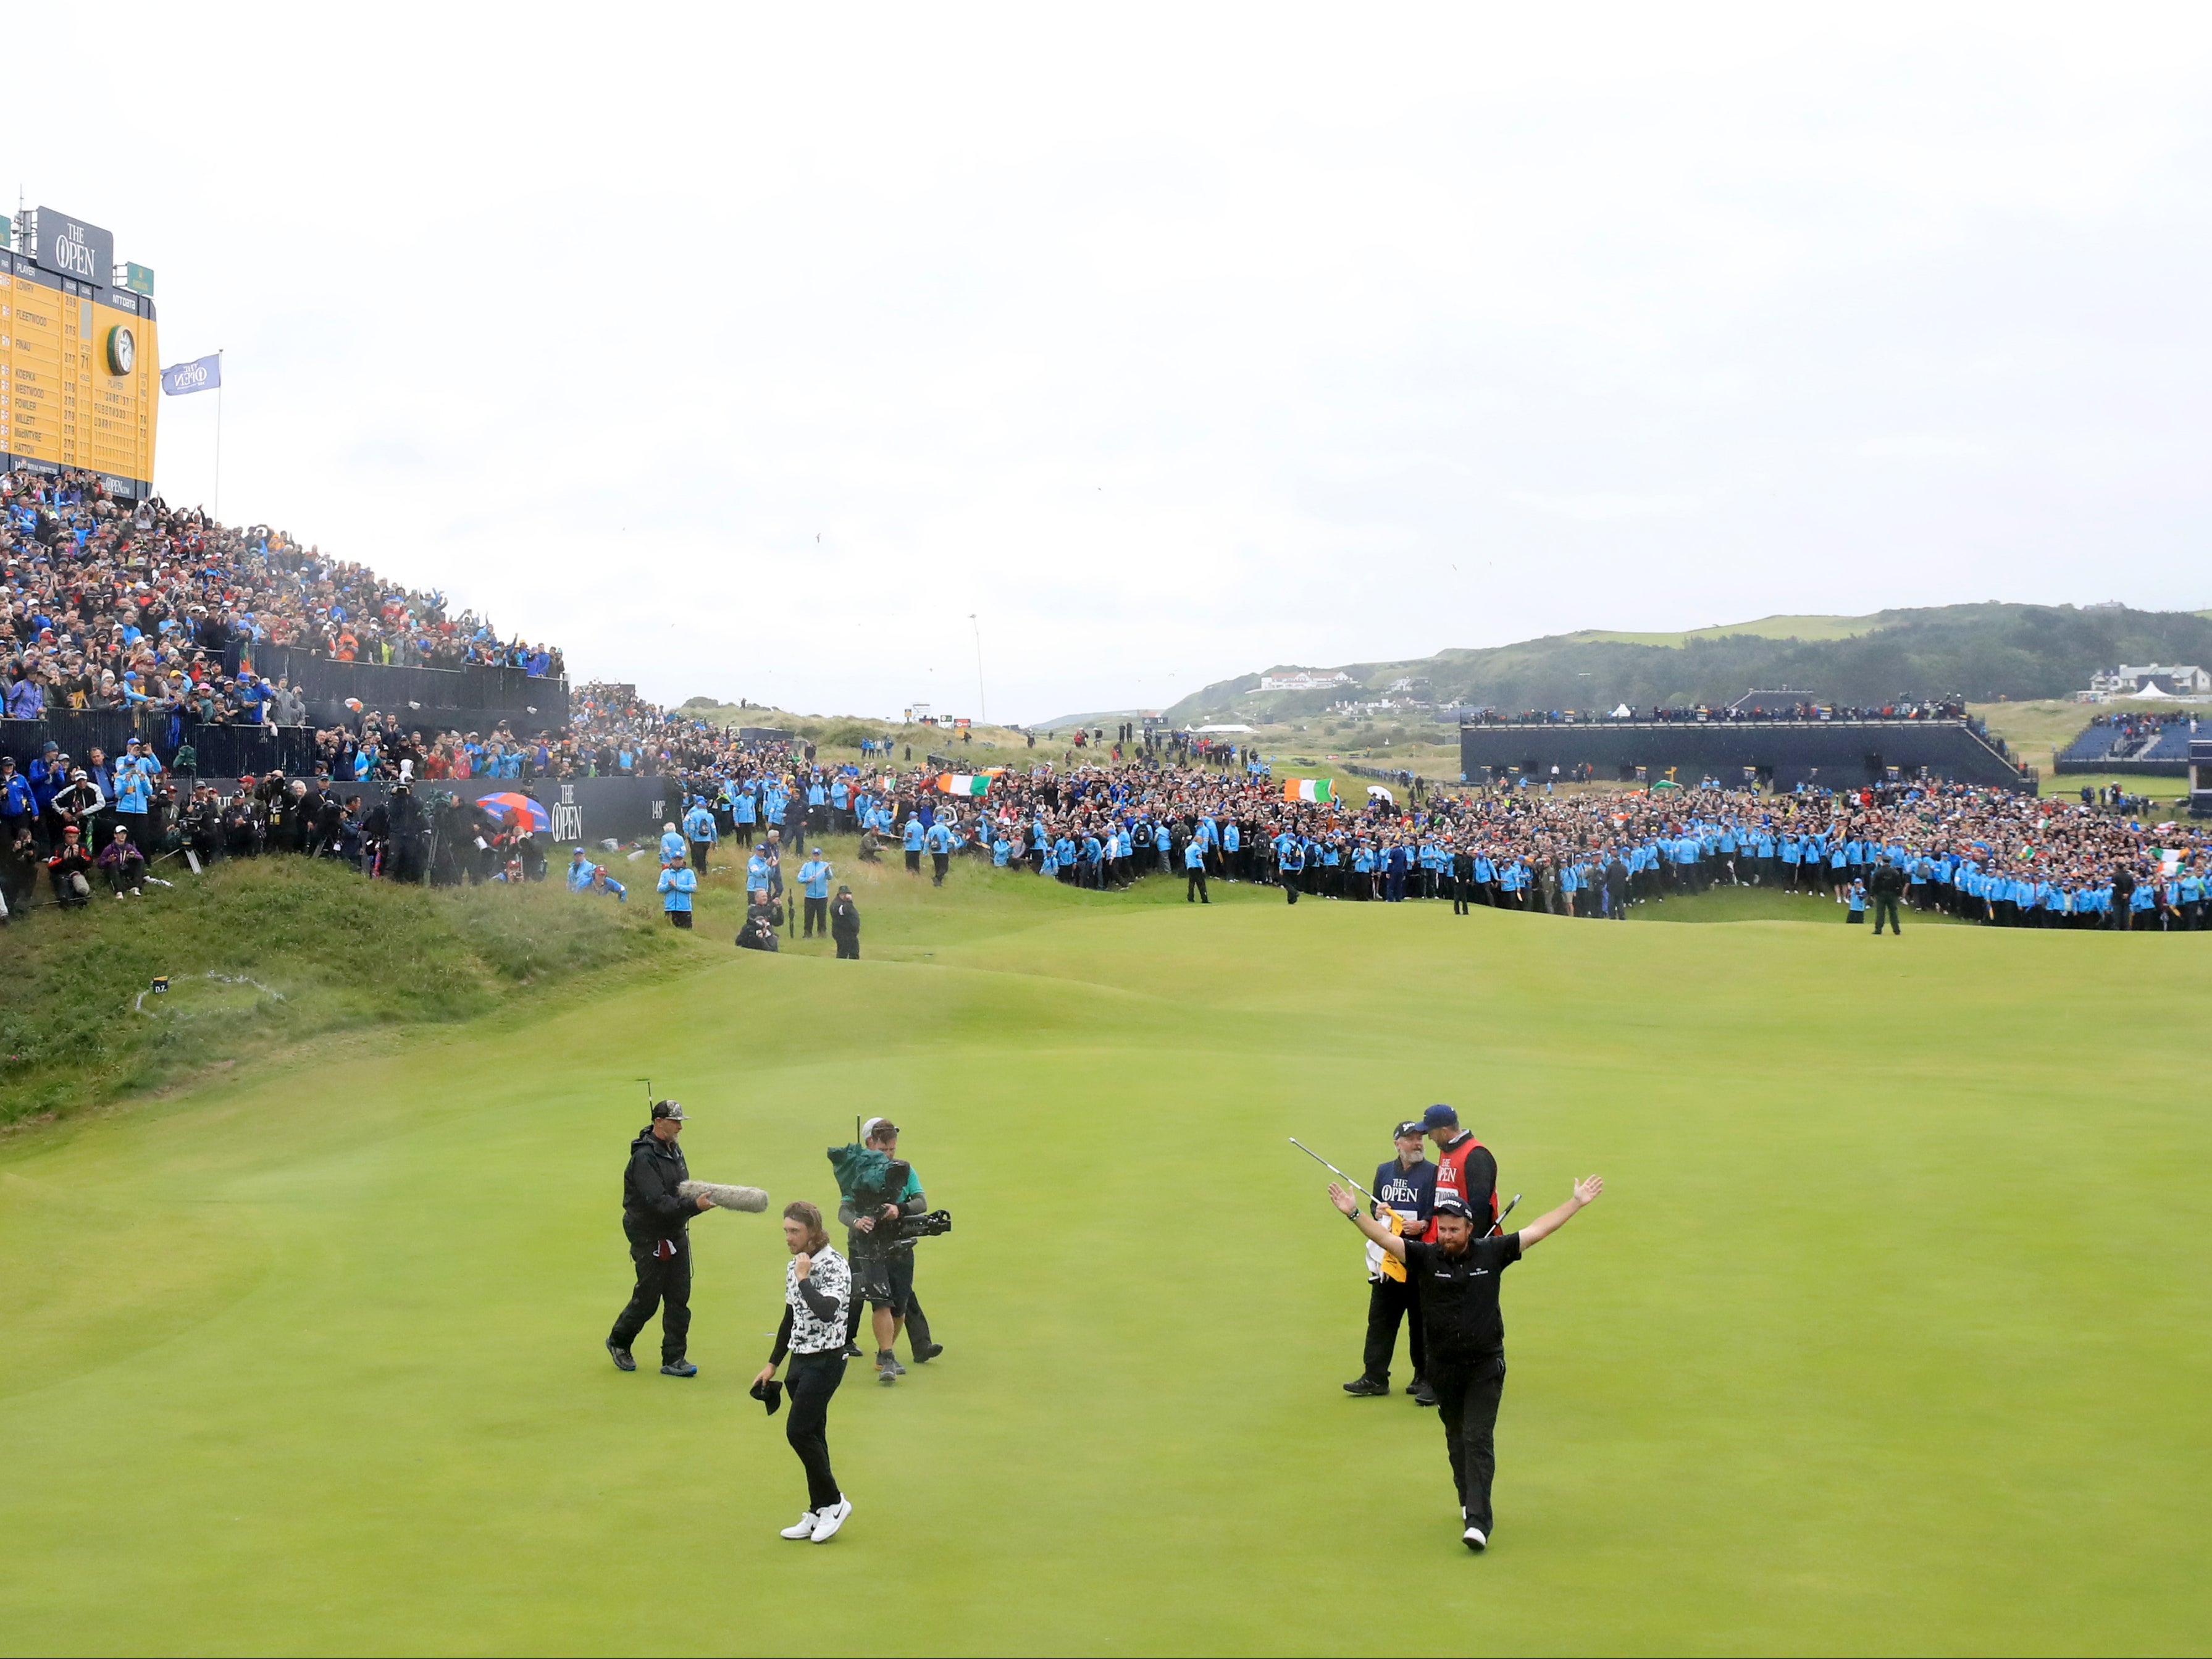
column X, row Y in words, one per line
column 1458, row 1276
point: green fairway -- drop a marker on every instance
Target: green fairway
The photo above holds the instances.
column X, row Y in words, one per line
column 1889, row 1334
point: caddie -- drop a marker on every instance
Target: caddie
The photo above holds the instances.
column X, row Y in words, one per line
column 1406, row 1186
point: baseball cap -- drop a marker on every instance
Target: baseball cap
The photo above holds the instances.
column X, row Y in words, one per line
column 1440, row 1116
column 667, row 1109
column 1411, row 1127
column 1454, row 1206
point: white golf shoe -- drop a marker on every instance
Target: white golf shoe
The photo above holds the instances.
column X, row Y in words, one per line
column 1473, row 1539
column 826, row 1522
column 804, row 1528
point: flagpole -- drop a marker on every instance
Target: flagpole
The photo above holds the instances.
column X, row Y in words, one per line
column 218, row 434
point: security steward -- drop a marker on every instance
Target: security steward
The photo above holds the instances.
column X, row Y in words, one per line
column 653, row 1220
column 1407, row 1187
column 1887, row 884
column 1465, row 1168
column 1459, row 1277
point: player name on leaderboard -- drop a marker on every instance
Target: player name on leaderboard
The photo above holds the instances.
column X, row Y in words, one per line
column 79, row 379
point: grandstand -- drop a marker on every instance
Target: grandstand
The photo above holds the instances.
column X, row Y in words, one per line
column 2143, row 746
column 1833, row 753
column 121, row 620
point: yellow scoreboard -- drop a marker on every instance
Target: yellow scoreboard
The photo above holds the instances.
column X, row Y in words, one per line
column 80, row 375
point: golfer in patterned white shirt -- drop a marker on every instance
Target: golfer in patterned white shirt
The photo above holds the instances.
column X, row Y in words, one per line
column 817, row 1286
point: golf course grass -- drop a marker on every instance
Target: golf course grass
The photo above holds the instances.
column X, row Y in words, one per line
column 1890, row 1333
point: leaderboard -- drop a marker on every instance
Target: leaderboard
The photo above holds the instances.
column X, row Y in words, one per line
column 79, row 377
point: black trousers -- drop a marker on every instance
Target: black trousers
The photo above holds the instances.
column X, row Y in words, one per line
column 941, row 862
column 699, row 856
column 1467, row 1400
column 662, row 1286
column 811, row 1380
column 817, row 914
column 1289, row 879
column 1885, row 905
column 1388, row 1301
column 849, row 947
column 1193, row 886
column 913, row 863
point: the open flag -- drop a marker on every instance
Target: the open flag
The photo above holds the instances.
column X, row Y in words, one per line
column 1306, row 789
column 956, row 783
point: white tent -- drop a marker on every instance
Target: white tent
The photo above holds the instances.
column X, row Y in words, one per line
column 1624, row 712
column 2150, row 693
column 1375, row 789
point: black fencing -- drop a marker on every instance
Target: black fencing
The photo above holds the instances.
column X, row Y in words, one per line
column 1830, row 753
column 511, row 694
column 587, row 810
column 221, row 749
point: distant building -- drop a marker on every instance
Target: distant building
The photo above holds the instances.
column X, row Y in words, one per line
column 2173, row 679
column 1304, row 679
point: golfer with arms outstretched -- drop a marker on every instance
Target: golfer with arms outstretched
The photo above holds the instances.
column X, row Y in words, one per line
column 1458, row 1277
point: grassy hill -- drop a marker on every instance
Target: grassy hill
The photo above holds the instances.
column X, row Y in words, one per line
column 1883, row 1314
column 264, row 954
column 1981, row 652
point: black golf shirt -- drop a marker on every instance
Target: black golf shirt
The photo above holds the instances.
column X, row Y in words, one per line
column 1459, row 1297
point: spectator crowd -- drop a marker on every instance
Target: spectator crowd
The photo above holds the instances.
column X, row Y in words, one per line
column 111, row 606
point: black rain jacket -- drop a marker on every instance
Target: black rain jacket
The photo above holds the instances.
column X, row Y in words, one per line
column 651, row 1209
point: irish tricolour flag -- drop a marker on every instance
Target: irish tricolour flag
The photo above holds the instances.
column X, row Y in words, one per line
column 956, row 783
column 1306, row 789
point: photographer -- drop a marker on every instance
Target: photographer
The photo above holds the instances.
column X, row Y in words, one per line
column 654, row 1220
column 883, row 1262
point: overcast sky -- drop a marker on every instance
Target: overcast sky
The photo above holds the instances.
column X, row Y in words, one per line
column 748, row 356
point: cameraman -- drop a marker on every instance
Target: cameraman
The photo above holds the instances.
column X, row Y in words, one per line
column 883, row 1263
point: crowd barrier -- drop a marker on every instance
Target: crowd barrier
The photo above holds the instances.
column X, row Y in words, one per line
column 223, row 750
column 510, row 692
column 1834, row 754
column 581, row 810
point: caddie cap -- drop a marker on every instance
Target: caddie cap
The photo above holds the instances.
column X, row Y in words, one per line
column 667, row 1109
column 1440, row 1116
column 1412, row 1126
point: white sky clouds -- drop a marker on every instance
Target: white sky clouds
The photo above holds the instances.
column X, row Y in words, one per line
column 1174, row 345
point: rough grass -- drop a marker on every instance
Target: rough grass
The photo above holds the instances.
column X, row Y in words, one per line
column 329, row 950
